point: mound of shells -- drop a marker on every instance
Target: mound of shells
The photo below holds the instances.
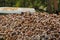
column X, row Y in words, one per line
column 30, row 26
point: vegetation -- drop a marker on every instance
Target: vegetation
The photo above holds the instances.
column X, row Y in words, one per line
column 40, row 5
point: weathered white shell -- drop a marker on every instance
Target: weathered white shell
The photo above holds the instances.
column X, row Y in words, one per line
column 16, row 10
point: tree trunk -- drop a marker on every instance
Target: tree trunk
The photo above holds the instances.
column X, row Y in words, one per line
column 49, row 8
column 55, row 4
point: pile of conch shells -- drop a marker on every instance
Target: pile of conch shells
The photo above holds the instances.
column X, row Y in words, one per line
column 30, row 26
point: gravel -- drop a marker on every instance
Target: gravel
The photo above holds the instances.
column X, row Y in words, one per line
column 27, row 26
